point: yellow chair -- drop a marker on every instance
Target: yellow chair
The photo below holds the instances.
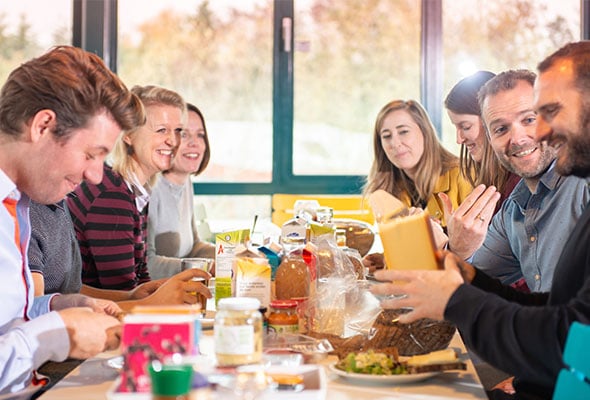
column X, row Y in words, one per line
column 345, row 206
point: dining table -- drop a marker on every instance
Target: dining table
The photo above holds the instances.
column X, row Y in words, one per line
column 94, row 379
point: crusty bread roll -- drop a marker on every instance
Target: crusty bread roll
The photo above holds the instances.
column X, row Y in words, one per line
column 387, row 336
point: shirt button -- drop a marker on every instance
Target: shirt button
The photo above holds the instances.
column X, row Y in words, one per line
column 537, row 277
column 533, row 238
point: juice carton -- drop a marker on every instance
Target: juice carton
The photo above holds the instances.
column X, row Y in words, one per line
column 252, row 279
column 227, row 244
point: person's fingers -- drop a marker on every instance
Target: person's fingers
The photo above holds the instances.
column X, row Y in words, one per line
column 385, row 289
column 484, row 207
column 189, row 274
column 409, row 317
column 447, row 205
column 397, row 275
column 189, row 298
column 471, row 200
column 197, row 286
column 113, row 337
column 396, row 303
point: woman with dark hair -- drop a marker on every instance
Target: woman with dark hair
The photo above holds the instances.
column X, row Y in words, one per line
column 172, row 229
column 479, row 164
column 467, row 226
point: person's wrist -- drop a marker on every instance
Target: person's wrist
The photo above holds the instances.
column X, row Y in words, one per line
column 52, row 302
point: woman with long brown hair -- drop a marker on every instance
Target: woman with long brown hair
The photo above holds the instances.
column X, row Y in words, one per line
column 411, row 163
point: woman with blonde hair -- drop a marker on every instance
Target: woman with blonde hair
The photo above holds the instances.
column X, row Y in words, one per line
column 110, row 218
column 172, row 227
column 411, row 163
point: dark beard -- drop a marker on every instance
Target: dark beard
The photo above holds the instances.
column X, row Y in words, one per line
column 577, row 149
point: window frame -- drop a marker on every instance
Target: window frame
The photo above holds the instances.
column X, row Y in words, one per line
column 95, row 29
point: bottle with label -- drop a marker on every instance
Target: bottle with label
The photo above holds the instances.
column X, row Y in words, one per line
column 238, row 331
column 283, row 317
column 293, row 279
column 293, row 234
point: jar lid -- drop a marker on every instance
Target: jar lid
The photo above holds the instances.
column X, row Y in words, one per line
column 238, row 303
column 283, row 304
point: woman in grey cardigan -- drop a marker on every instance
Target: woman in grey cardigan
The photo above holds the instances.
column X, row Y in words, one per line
column 172, row 232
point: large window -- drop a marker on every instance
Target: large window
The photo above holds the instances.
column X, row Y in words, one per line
column 25, row 34
column 503, row 34
column 290, row 88
column 218, row 56
column 351, row 58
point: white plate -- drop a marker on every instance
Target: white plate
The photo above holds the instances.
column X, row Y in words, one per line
column 382, row 379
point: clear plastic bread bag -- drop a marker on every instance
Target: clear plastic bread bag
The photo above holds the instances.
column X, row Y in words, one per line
column 340, row 304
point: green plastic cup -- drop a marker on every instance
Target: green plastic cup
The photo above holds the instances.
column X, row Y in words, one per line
column 170, row 380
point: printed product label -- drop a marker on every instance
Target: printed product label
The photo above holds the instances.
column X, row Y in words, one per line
column 283, row 328
column 237, row 339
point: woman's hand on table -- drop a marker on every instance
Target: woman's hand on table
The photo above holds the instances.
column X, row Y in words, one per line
column 426, row 293
column 467, row 226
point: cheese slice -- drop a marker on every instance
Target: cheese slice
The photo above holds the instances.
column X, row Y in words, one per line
column 436, row 357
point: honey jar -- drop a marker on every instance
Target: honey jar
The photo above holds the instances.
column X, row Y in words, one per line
column 283, row 317
column 238, row 331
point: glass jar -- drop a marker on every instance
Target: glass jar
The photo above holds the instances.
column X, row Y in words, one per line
column 238, row 331
column 292, row 278
column 283, row 317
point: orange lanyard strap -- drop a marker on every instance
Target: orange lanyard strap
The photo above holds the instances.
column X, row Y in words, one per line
column 10, row 205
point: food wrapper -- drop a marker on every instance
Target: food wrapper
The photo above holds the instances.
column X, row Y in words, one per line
column 343, row 310
column 227, row 245
column 338, row 305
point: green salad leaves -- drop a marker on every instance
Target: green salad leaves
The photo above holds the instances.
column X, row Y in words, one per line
column 371, row 363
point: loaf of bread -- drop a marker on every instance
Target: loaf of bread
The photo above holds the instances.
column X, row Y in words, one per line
column 419, row 337
column 390, row 337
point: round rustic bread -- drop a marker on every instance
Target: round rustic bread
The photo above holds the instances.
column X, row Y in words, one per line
column 419, row 337
column 387, row 336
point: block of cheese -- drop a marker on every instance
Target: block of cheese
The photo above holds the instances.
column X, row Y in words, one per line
column 435, row 357
column 437, row 361
column 408, row 242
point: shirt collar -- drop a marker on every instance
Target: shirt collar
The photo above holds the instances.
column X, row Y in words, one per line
column 142, row 194
column 548, row 182
column 8, row 188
